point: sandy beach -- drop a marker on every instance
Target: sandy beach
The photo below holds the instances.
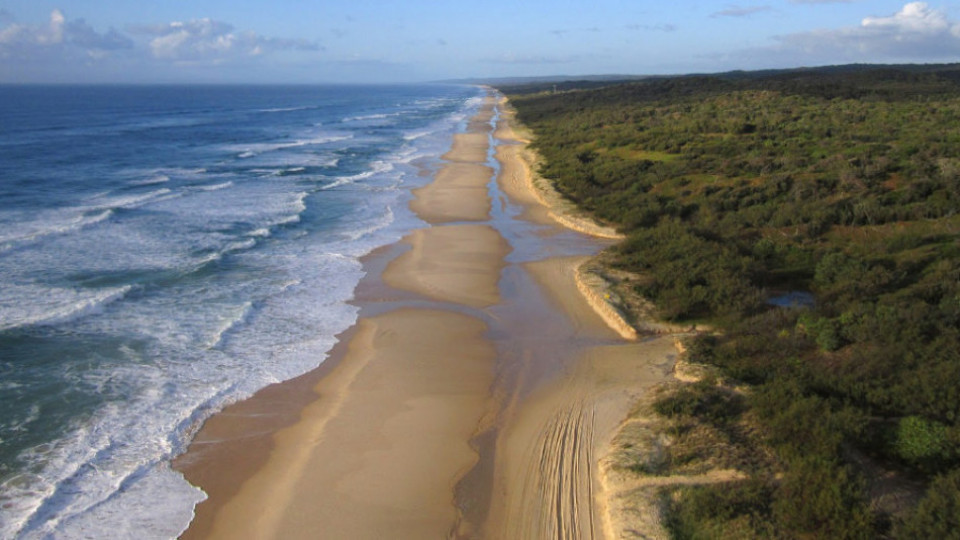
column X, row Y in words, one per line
column 458, row 191
column 474, row 398
column 455, row 263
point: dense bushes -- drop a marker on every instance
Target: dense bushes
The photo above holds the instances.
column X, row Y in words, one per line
column 704, row 400
column 938, row 515
column 842, row 183
column 690, row 275
column 740, row 511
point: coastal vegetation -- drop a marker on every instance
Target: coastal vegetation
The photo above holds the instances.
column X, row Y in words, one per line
column 839, row 186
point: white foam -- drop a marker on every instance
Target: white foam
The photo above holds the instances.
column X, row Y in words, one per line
column 432, row 103
column 337, row 183
column 383, row 222
column 473, row 103
column 119, row 459
column 378, row 167
column 29, row 305
column 90, row 475
column 215, row 187
column 211, row 339
column 291, row 170
column 288, row 220
column 129, row 201
column 254, row 149
column 164, row 491
column 49, row 223
column 159, row 179
column 272, row 163
column 159, row 175
column 230, row 321
column 33, row 414
column 361, row 118
column 416, row 135
column 240, row 245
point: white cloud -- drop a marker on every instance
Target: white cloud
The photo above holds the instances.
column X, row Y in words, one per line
column 54, row 32
column 741, row 11
column 207, row 39
column 10, row 35
column 64, row 49
column 915, row 17
column 916, row 33
column 58, row 35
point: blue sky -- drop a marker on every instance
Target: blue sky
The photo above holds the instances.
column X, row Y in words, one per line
column 300, row 41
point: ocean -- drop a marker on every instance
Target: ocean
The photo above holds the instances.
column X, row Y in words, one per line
column 167, row 250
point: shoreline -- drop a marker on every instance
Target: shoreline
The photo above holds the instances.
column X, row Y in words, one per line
column 542, row 202
column 413, row 425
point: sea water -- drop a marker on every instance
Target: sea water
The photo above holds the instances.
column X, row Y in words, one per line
column 167, row 250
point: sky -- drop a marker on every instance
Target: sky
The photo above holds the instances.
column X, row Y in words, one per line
column 367, row 41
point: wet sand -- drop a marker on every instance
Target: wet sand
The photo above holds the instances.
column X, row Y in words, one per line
column 455, row 263
column 377, row 455
column 473, row 398
column 458, row 191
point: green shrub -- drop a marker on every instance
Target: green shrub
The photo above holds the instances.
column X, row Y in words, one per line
column 733, row 510
column 922, row 443
column 705, row 400
column 820, row 498
column 825, row 332
column 938, row 514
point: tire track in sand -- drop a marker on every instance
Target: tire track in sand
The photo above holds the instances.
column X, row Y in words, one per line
column 556, row 477
column 564, row 474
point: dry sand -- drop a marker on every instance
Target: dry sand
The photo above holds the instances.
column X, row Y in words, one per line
column 412, row 429
column 548, row 448
column 548, row 453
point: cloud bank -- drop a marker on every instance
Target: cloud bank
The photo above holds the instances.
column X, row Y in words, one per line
column 915, row 33
column 58, row 35
column 63, row 48
column 207, row 39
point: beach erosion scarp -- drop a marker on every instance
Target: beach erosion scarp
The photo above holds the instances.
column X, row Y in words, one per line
column 474, row 397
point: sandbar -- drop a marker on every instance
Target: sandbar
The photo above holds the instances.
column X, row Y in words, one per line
column 458, row 191
column 453, row 263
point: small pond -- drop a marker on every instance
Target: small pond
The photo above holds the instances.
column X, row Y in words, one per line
column 793, row 299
